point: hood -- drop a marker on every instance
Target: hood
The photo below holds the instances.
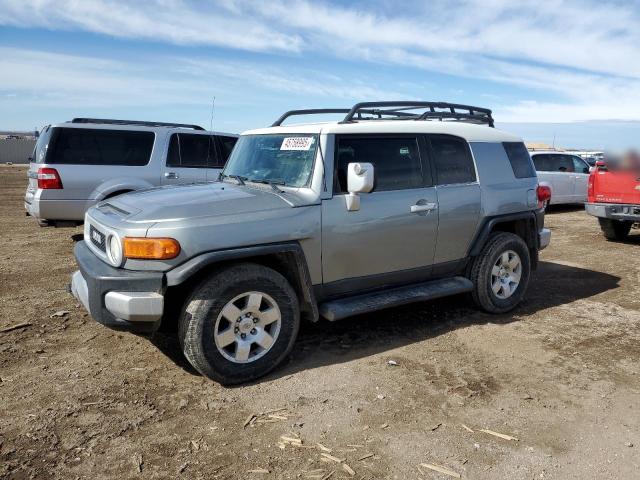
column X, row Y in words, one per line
column 201, row 200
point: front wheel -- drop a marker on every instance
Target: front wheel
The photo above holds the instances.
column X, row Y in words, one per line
column 615, row 229
column 240, row 323
column 500, row 274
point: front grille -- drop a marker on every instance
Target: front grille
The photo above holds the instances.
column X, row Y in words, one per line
column 97, row 238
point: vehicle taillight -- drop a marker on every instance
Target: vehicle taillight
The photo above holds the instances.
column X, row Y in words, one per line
column 544, row 195
column 48, row 179
column 590, row 190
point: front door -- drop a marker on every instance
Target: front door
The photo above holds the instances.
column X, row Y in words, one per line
column 187, row 158
column 581, row 173
column 386, row 240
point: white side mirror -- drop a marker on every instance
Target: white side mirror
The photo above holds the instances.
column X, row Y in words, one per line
column 359, row 180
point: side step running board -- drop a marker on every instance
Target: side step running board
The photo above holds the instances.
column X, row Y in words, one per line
column 371, row 302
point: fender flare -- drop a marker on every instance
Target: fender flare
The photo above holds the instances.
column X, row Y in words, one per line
column 293, row 250
column 485, row 230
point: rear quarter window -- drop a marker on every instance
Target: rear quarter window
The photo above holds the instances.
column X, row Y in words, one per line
column 83, row 146
column 453, row 161
column 520, row 159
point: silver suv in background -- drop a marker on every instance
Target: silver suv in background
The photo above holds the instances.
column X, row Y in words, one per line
column 566, row 175
column 79, row 163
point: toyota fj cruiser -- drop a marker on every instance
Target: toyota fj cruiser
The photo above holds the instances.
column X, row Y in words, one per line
column 399, row 202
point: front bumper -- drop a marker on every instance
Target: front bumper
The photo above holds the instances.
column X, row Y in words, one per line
column 614, row 211
column 118, row 298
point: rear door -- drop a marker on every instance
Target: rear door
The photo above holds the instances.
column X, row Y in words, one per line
column 581, row 175
column 187, row 158
column 458, row 198
column 224, row 145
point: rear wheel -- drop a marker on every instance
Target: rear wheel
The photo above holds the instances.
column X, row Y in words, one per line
column 615, row 229
column 500, row 274
column 240, row 323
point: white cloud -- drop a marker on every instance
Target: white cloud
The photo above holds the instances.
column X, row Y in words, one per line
column 580, row 56
column 52, row 79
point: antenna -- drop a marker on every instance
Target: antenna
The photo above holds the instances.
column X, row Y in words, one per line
column 213, row 107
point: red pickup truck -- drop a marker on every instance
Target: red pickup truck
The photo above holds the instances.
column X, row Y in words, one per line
column 614, row 197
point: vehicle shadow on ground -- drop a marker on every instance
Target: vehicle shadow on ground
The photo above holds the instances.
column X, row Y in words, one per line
column 326, row 343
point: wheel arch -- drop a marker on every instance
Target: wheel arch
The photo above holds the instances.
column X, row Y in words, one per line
column 523, row 224
column 287, row 259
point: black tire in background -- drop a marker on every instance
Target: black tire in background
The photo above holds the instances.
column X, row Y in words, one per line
column 204, row 306
column 615, row 230
column 480, row 272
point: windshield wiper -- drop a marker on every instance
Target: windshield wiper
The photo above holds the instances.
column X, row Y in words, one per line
column 271, row 183
column 240, row 179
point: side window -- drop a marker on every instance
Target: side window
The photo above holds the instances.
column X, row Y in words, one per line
column 83, row 146
column 188, row 150
column 452, row 160
column 579, row 165
column 226, row 146
column 396, row 161
column 540, row 162
column 565, row 163
column 520, row 159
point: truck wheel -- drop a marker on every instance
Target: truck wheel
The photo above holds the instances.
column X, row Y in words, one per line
column 239, row 323
column 500, row 274
column 615, row 229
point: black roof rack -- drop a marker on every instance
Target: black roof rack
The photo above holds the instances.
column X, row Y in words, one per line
column 402, row 110
column 110, row 121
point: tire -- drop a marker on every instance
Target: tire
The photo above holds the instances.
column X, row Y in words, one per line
column 615, row 230
column 481, row 273
column 204, row 325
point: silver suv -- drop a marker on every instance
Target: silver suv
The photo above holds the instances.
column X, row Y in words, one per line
column 318, row 220
column 79, row 163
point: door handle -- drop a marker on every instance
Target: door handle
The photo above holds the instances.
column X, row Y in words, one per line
column 423, row 207
column 171, row 175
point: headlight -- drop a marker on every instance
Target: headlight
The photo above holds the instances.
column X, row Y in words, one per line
column 114, row 250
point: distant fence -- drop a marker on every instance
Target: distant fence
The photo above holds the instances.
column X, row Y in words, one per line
column 16, row 150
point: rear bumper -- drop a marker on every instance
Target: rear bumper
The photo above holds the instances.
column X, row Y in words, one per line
column 56, row 210
column 544, row 238
column 614, row 211
column 118, row 298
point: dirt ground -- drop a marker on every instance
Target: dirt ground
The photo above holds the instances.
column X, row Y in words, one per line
column 560, row 374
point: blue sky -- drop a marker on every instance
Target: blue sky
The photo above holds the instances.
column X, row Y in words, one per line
column 563, row 69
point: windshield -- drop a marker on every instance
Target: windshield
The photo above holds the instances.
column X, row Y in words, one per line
column 282, row 159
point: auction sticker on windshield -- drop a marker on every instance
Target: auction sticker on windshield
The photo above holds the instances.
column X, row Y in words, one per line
column 297, row 143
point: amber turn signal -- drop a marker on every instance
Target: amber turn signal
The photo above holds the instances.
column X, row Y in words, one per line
column 151, row 248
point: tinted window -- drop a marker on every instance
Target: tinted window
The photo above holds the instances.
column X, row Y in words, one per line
column 187, row 150
column 554, row 162
column 226, row 146
column 100, row 147
column 396, row 161
column 520, row 159
column 579, row 165
column 452, row 160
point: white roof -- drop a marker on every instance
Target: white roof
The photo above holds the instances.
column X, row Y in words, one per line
column 469, row 131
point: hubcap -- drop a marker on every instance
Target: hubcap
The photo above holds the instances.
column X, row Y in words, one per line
column 247, row 327
column 506, row 274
